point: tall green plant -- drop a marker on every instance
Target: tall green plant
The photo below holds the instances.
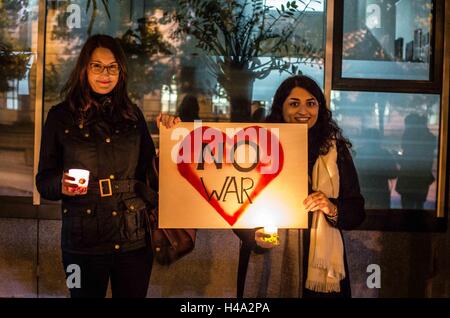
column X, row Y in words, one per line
column 236, row 34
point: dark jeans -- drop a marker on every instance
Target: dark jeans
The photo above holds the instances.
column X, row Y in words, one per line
column 129, row 273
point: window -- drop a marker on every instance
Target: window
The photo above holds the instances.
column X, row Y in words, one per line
column 18, row 36
column 168, row 98
column 164, row 66
column 395, row 146
column 387, row 40
column 11, row 96
column 386, row 95
column 388, row 45
column 386, row 74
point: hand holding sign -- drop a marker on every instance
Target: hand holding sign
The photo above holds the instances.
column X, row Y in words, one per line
column 167, row 120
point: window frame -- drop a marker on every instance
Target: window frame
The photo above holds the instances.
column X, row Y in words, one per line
column 432, row 86
column 439, row 83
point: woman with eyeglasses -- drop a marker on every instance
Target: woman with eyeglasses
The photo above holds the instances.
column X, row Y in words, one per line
column 311, row 262
column 97, row 128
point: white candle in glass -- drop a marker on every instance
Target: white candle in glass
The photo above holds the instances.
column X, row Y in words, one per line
column 272, row 231
column 81, row 177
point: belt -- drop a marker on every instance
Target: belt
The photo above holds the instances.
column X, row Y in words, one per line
column 108, row 187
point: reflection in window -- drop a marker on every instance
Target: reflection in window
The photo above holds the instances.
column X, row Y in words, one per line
column 387, row 39
column 11, row 96
column 395, row 138
column 220, row 101
column 264, row 89
column 308, row 5
column 18, row 38
column 155, row 57
column 169, row 98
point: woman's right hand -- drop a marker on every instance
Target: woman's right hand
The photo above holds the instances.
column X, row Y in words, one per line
column 167, row 120
column 261, row 239
column 68, row 187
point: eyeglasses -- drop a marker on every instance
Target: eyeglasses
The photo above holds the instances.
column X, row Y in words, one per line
column 98, row 68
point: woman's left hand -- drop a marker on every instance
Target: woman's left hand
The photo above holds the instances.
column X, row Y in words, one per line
column 318, row 201
column 167, row 120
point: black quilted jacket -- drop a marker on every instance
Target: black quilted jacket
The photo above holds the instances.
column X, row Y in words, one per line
column 110, row 148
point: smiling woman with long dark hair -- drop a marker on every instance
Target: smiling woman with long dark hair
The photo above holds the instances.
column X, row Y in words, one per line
column 97, row 128
column 84, row 86
column 310, row 262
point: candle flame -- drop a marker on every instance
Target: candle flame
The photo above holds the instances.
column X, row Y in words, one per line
column 270, row 229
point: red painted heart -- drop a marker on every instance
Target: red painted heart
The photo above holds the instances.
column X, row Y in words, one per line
column 268, row 165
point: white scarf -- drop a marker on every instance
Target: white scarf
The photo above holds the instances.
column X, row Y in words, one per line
column 326, row 250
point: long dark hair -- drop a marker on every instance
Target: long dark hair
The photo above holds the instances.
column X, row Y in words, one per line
column 77, row 92
column 325, row 130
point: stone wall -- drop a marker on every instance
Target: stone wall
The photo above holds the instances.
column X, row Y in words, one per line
column 412, row 264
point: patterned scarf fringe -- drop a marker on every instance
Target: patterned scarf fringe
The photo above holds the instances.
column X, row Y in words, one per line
column 321, row 287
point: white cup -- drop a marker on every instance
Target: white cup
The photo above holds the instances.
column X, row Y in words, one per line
column 81, row 177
